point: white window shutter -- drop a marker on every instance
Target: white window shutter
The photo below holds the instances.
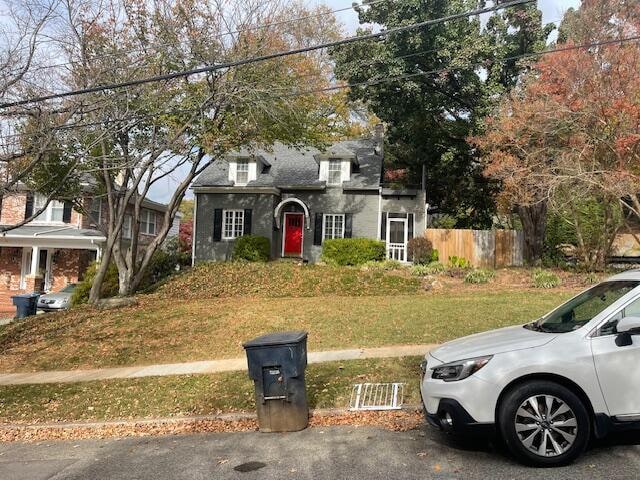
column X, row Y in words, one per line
column 324, row 170
column 253, row 170
column 346, row 171
column 232, row 171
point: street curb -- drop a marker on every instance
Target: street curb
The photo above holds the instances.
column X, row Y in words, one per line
column 224, row 417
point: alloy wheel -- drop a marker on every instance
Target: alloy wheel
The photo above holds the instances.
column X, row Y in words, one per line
column 546, row 425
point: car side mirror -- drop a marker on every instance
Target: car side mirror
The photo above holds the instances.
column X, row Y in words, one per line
column 629, row 324
column 626, row 327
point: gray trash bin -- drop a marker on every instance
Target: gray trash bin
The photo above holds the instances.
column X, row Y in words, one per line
column 26, row 304
column 276, row 365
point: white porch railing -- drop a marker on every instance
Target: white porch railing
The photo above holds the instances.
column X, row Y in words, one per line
column 397, row 251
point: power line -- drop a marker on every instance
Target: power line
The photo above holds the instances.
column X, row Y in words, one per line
column 224, row 34
column 246, row 61
column 363, row 83
column 477, row 64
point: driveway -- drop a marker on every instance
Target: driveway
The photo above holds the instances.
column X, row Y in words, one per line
column 331, row 453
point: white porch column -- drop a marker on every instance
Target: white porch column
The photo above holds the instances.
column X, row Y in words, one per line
column 35, row 261
column 98, row 254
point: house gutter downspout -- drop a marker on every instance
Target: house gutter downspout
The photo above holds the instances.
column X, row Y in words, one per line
column 380, row 213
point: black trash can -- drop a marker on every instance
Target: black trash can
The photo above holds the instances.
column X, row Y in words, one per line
column 26, row 304
column 277, row 363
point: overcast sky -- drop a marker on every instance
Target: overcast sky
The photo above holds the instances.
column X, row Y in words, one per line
column 552, row 12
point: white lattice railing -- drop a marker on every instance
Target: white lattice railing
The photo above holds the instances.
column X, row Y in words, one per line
column 397, row 251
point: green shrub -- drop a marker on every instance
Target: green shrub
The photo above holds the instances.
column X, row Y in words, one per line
column 436, row 267
column 352, row 251
column 435, row 256
column 252, row 248
column 109, row 285
column 459, row 262
column 420, row 270
column 479, row 276
column 544, row 279
column 162, row 265
column 391, row 264
column 420, row 250
column 384, row 266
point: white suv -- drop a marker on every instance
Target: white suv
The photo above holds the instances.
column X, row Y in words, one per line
column 548, row 386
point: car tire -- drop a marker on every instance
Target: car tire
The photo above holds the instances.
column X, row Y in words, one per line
column 544, row 424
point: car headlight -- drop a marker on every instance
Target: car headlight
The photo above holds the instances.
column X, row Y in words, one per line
column 459, row 370
column 423, row 368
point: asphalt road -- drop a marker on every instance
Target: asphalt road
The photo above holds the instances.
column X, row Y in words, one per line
column 319, row 453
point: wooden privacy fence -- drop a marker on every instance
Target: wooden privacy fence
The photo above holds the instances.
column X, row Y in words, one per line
column 483, row 248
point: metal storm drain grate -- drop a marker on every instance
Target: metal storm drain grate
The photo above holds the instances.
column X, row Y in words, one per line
column 377, row 396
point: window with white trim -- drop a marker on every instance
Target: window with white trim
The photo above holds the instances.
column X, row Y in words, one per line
column 333, row 226
column 126, row 227
column 232, row 224
column 148, row 222
column 96, row 210
column 54, row 211
column 334, row 172
column 242, row 171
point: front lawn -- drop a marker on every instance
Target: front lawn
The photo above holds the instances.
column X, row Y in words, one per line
column 328, row 385
column 165, row 330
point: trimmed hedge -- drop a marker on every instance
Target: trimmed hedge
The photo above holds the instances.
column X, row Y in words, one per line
column 352, row 251
column 252, row 248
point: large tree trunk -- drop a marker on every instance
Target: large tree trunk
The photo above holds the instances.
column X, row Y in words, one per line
column 103, row 266
column 534, row 226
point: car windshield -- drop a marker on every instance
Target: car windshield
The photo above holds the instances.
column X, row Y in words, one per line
column 578, row 311
column 69, row 288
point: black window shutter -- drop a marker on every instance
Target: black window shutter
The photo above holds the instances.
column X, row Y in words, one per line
column 28, row 208
column 247, row 222
column 348, row 225
column 383, row 227
column 66, row 212
column 317, row 230
column 217, row 225
column 410, row 226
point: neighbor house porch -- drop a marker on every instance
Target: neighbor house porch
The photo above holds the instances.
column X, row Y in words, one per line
column 44, row 259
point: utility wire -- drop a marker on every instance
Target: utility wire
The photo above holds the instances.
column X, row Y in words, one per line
column 223, row 34
column 363, row 83
column 246, row 61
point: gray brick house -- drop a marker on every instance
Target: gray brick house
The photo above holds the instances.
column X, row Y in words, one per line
column 299, row 197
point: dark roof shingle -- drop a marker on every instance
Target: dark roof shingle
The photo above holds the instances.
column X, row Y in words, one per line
column 298, row 167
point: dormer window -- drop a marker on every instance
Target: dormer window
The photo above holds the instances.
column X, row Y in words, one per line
column 334, row 173
column 242, row 171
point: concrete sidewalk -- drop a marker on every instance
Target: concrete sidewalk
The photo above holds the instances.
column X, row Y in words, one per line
column 206, row 366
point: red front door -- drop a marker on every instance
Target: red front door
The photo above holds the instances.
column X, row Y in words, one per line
column 293, row 234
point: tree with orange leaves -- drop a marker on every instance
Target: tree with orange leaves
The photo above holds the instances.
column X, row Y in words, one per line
column 571, row 130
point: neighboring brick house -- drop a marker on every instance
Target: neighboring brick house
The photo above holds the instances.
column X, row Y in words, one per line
column 55, row 248
column 299, row 197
